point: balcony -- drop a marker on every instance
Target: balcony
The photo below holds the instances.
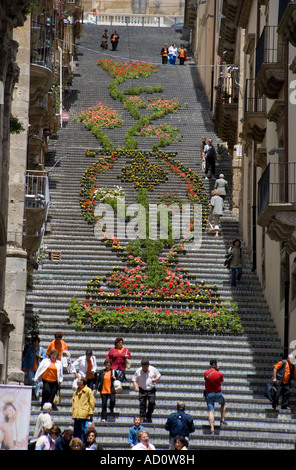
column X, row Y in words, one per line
column 287, row 20
column 270, row 63
column 226, row 109
column 277, row 203
column 254, row 124
column 36, row 209
column 228, row 29
column 190, row 13
column 42, row 38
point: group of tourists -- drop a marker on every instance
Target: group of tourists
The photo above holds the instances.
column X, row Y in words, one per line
column 47, row 366
column 234, row 255
column 169, row 54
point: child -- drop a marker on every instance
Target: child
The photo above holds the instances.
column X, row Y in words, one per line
column 133, row 432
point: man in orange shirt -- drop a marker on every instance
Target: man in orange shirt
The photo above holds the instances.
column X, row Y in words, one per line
column 57, row 344
column 283, row 372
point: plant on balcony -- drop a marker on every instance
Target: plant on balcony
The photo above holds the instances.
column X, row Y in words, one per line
column 225, row 96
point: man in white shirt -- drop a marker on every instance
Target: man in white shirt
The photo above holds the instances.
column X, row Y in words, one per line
column 144, row 381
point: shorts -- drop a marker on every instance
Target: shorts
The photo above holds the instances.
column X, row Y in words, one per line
column 212, row 398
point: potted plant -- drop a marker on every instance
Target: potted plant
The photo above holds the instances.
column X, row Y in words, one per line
column 225, row 96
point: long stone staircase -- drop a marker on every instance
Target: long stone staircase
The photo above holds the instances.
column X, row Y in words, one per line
column 246, row 361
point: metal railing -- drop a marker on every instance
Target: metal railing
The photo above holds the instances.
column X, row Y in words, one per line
column 116, row 19
column 227, row 90
column 37, row 190
column 253, row 102
column 277, row 185
column 270, row 48
column 42, row 37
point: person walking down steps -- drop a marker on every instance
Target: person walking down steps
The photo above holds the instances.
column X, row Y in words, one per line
column 144, row 381
column 114, row 38
column 104, row 40
column 164, row 54
column 235, row 258
column 210, row 158
column 182, row 54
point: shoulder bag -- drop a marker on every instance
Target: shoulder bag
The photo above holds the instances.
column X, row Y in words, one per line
column 205, row 393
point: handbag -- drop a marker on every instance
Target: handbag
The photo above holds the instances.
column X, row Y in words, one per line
column 57, row 398
column 128, row 362
column 228, row 259
column 116, row 384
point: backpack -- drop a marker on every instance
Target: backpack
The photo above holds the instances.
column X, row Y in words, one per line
column 180, row 427
column 211, row 152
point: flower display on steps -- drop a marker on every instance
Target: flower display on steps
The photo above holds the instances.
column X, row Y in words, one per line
column 143, row 174
column 151, row 292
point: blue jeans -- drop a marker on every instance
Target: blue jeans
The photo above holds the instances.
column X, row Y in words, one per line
column 79, row 429
column 36, row 385
column 212, row 398
column 239, row 275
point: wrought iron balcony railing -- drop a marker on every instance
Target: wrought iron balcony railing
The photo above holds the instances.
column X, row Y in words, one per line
column 277, row 185
column 42, row 37
column 253, row 102
column 270, row 48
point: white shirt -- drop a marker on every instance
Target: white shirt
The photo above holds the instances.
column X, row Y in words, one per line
column 141, row 446
column 81, row 364
column 144, row 379
column 173, row 50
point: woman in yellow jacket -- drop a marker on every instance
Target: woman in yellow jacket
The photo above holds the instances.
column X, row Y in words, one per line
column 83, row 406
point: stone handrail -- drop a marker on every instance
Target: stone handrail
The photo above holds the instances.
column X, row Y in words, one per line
column 117, row 19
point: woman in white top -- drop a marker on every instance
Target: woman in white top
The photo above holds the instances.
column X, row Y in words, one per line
column 86, row 366
column 217, row 205
column 50, row 371
column 173, row 52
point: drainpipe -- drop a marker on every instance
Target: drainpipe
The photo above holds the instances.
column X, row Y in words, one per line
column 61, row 85
column 255, row 186
column 213, row 54
column 286, row 161
column 254, row 216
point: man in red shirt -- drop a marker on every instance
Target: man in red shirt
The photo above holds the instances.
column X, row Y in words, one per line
column 213, row 379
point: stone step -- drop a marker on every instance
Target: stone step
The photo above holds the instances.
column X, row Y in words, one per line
column 246, row 360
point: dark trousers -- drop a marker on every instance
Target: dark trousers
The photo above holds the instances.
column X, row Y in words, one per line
column 210, row 163
column 79, row 429
column 105, row 397
column 48, row 391
column 235, row 277
column 285, row 391
column 147, row 397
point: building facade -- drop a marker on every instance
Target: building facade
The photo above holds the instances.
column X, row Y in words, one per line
column 245, row 51
column 38, row 41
